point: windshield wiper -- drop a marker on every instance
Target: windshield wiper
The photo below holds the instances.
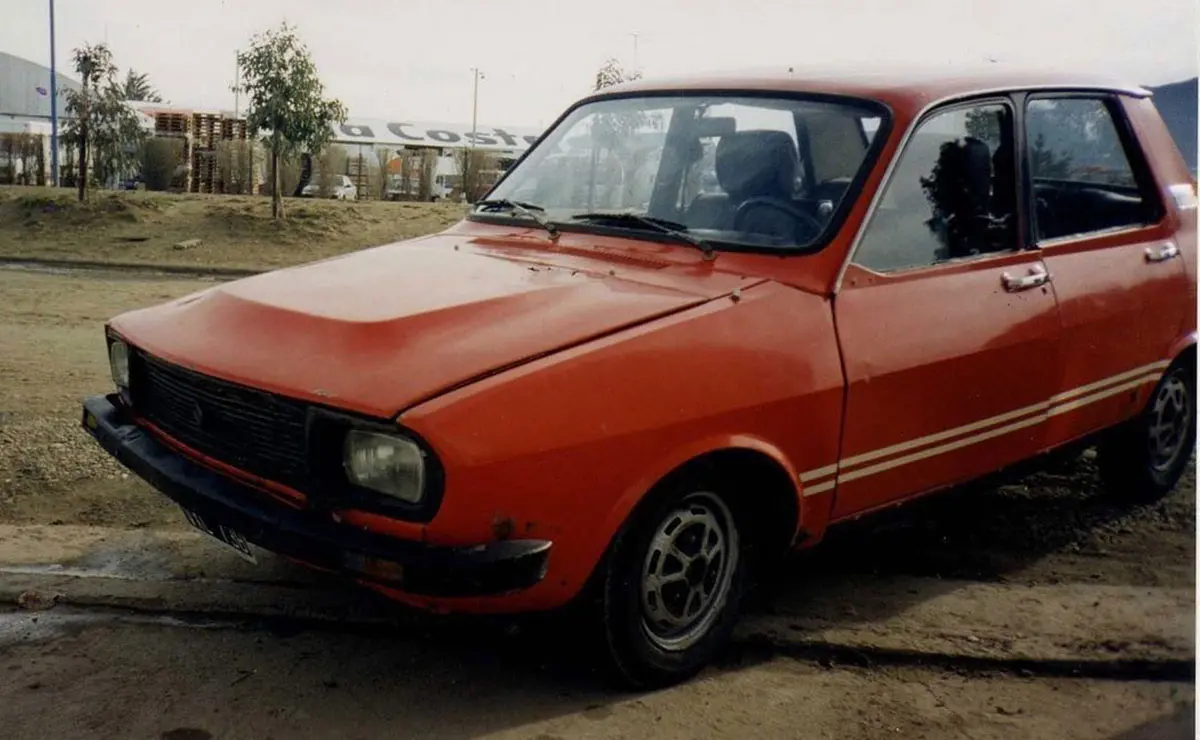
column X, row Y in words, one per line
column 531, row 211
column 661, row 225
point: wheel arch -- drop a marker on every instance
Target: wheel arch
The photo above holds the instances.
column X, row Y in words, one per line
column 774, row 497
column 1184, row 349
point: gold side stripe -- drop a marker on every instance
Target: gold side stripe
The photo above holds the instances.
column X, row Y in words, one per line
column 1058, row 404
column 934, row 451
column 851, row 462
column 818, row 473
column 1082, row 390
column 1064, row 408
column 819, row 488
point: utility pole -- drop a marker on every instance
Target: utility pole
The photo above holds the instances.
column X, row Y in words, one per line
column 467, row 184
column 53, row 104
column 635, row 51
column 237, row 83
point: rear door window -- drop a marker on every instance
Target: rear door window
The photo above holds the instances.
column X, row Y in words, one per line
column 1084, row 172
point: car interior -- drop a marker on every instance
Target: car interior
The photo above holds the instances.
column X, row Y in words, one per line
column 766, row 182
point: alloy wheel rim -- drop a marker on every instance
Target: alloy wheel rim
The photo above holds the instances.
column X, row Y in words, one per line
column 688, row 572
column 1170, row 417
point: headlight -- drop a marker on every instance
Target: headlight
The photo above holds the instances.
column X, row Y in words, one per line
column 386, row 463
column 118, row 361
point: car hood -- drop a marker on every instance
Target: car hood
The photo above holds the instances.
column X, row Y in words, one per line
column 379, row 330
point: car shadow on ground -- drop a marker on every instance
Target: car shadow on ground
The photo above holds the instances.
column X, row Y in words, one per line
column 1178, row 726
column 1054, row 526
column 997, row 535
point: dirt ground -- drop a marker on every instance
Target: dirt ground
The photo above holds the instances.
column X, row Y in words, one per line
column 190, row 680
column 99, row 679
column 234, row 231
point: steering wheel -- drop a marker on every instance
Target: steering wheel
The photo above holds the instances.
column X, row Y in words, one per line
column 804, row 229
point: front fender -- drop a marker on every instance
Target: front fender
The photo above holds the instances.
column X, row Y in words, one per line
column 564, row 447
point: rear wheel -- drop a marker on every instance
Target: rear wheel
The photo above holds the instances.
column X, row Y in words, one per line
column 1144, row 459
column 673, row 587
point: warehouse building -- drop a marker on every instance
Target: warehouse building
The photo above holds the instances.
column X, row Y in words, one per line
column 25, row 119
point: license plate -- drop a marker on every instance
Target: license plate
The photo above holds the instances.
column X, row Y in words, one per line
column 222, row 534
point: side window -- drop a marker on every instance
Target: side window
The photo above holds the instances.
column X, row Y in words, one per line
column 952, row 194
column 1082, row 177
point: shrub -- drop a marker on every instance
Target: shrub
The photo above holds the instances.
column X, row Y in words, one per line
column 161, row 157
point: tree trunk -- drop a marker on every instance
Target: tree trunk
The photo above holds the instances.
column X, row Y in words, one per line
column 276, row 196
column 83, row 140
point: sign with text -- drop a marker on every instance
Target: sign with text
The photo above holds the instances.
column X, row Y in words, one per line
column 434, row 134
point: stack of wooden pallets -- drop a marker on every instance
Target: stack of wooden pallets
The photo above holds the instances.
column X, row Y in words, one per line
column 202, row 132
column 204, row 171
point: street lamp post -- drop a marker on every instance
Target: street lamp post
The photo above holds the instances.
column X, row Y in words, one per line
column 467, row 184
column 53, row 104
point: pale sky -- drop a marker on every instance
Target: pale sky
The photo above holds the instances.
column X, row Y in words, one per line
column 412, row 58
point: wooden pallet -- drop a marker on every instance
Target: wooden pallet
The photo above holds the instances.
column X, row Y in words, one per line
column 172, row 123
column 204, row 172
column 204, row 126
column 233, row 129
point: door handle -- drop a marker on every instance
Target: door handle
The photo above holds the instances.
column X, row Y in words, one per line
column 1162, row 253
column 1037, row 276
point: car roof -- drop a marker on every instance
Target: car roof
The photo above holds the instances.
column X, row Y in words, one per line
column 906, row 85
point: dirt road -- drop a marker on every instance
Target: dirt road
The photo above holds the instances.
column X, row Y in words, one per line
column 917, row 623
column 102, row 678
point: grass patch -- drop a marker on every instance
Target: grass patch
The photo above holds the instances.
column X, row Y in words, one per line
column 235, row 230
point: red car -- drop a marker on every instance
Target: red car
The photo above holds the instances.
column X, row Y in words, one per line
column 699, row 322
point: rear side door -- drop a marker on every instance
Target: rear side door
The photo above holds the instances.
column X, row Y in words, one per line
column 948, row 325
column 1110, row 244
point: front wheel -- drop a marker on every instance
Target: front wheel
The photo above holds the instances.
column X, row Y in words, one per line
column 673, row 588
column 1144, row 459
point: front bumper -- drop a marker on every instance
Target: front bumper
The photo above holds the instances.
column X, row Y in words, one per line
column 425, row 570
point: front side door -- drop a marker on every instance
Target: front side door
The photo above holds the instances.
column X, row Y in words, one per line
column 949, row 329
column 1108, row 241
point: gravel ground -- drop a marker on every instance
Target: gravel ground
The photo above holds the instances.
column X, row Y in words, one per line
column 50, row 470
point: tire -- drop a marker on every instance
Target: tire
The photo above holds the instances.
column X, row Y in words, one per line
column 1143, row 459
column 658, row 634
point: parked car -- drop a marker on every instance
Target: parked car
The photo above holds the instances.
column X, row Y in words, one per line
column 342, row 188
column 632, row 399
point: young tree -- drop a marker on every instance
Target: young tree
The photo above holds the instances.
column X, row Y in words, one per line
column 287, row 100
column 94, row 65
column 100, row 125
column 117, row 135
column 136, row 86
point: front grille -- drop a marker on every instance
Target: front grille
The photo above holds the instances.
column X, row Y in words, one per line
column 252, row 430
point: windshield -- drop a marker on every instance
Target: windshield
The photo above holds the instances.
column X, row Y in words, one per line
column 752, row 171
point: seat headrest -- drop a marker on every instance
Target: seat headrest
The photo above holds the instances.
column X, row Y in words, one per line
column 757, row 163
